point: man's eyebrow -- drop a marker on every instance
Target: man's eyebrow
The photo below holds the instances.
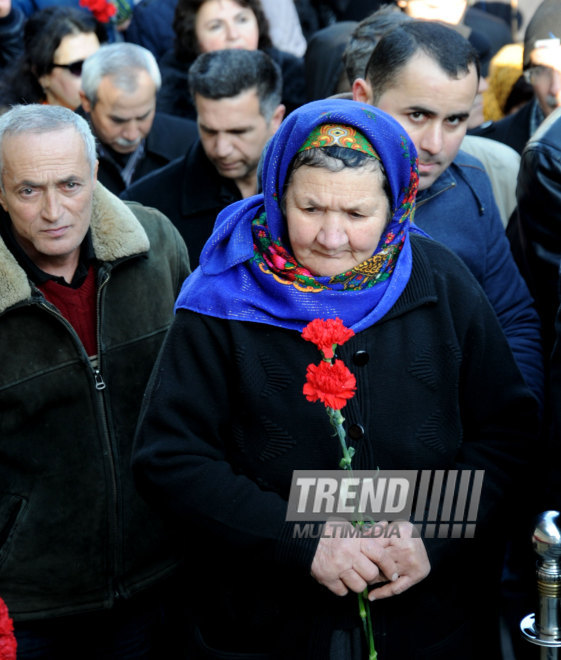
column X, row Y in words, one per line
column 140, row 117
column 72, row 178
column 34, row 184
column 421, row 109
column 462, row 114
column 233, row 129
column 124, row 120
column 458, row 115
column 239, row 129
column 27, row 182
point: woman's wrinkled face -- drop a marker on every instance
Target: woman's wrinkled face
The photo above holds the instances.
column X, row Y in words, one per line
column 222, row 24
column 62, row 87
column 335, row 219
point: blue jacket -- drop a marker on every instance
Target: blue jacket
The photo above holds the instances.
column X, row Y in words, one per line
column 11, row 32
column 152, row 25
column 459, row 210
column 29, row 7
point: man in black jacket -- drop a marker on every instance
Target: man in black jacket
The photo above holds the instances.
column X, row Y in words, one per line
column 87, row 286
column 119, row 87
column 237, row 94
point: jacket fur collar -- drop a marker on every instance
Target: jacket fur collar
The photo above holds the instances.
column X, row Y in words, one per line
column 116, row 233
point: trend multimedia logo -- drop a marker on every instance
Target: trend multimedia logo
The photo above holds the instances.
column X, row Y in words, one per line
column 440, row 503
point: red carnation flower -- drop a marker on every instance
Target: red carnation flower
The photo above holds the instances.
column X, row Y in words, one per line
column 332, row 384
column 101, row 9
column 326, row 334
column 8, row 642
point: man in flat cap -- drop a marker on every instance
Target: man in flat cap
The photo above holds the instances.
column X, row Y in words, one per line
column 542, row 69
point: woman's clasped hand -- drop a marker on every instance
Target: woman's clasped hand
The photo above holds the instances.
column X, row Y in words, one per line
column 346, row 562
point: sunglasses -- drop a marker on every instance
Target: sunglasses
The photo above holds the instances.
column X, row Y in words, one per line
column 75, row 68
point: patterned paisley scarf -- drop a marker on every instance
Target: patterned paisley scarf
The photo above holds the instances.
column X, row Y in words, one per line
column 274, row 256
column 247, row 270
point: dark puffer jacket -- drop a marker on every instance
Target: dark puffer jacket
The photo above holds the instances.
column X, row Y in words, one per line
column 74, row 534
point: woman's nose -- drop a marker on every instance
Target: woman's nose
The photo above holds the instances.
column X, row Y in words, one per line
column 232, row 31
column 332, row 234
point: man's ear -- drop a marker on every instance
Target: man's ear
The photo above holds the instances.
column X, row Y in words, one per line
column 3, row 203
column 85, row 102
column 276, row 119
column 362, row 91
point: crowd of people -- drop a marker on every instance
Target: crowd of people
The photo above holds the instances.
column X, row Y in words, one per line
column 185, row 186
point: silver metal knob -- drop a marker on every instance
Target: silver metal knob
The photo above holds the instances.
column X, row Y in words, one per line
column 544, row 629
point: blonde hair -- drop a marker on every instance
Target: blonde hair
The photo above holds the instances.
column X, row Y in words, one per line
column 504, row 71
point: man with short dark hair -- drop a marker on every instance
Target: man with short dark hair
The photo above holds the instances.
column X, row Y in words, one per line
column 366, row 35
column 426, row 76
column 237, row 94
column 119, row 87
column 87, row 286
column 500, row 161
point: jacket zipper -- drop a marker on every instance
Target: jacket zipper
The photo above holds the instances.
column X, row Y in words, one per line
column 100, row 386
column 452, row 184
column 99, row 382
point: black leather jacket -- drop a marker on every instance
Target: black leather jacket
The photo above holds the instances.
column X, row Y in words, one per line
column 538, row 227
column 74, row 533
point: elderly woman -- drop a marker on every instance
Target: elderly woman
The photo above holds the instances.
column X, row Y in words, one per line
column 225, row 421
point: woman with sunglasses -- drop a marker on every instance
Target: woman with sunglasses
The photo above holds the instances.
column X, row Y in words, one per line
column 57, row 40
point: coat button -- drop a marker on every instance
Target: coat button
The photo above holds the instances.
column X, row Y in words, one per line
column 360, row 358
column 356, row 432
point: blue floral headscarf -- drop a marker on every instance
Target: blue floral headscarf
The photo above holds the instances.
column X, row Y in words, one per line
column 239, row 276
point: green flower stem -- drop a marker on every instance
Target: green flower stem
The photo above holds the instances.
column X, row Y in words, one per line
column 337, row 420
column 364, row 610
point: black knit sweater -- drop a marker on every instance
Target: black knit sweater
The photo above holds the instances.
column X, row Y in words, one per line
column 225, row 423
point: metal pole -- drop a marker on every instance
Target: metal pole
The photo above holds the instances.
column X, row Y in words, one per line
column 544, row 629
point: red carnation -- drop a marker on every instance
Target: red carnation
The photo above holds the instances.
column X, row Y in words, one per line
column 332, row 384
column 326, row 334
column 101, row 9
column 8, row 643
